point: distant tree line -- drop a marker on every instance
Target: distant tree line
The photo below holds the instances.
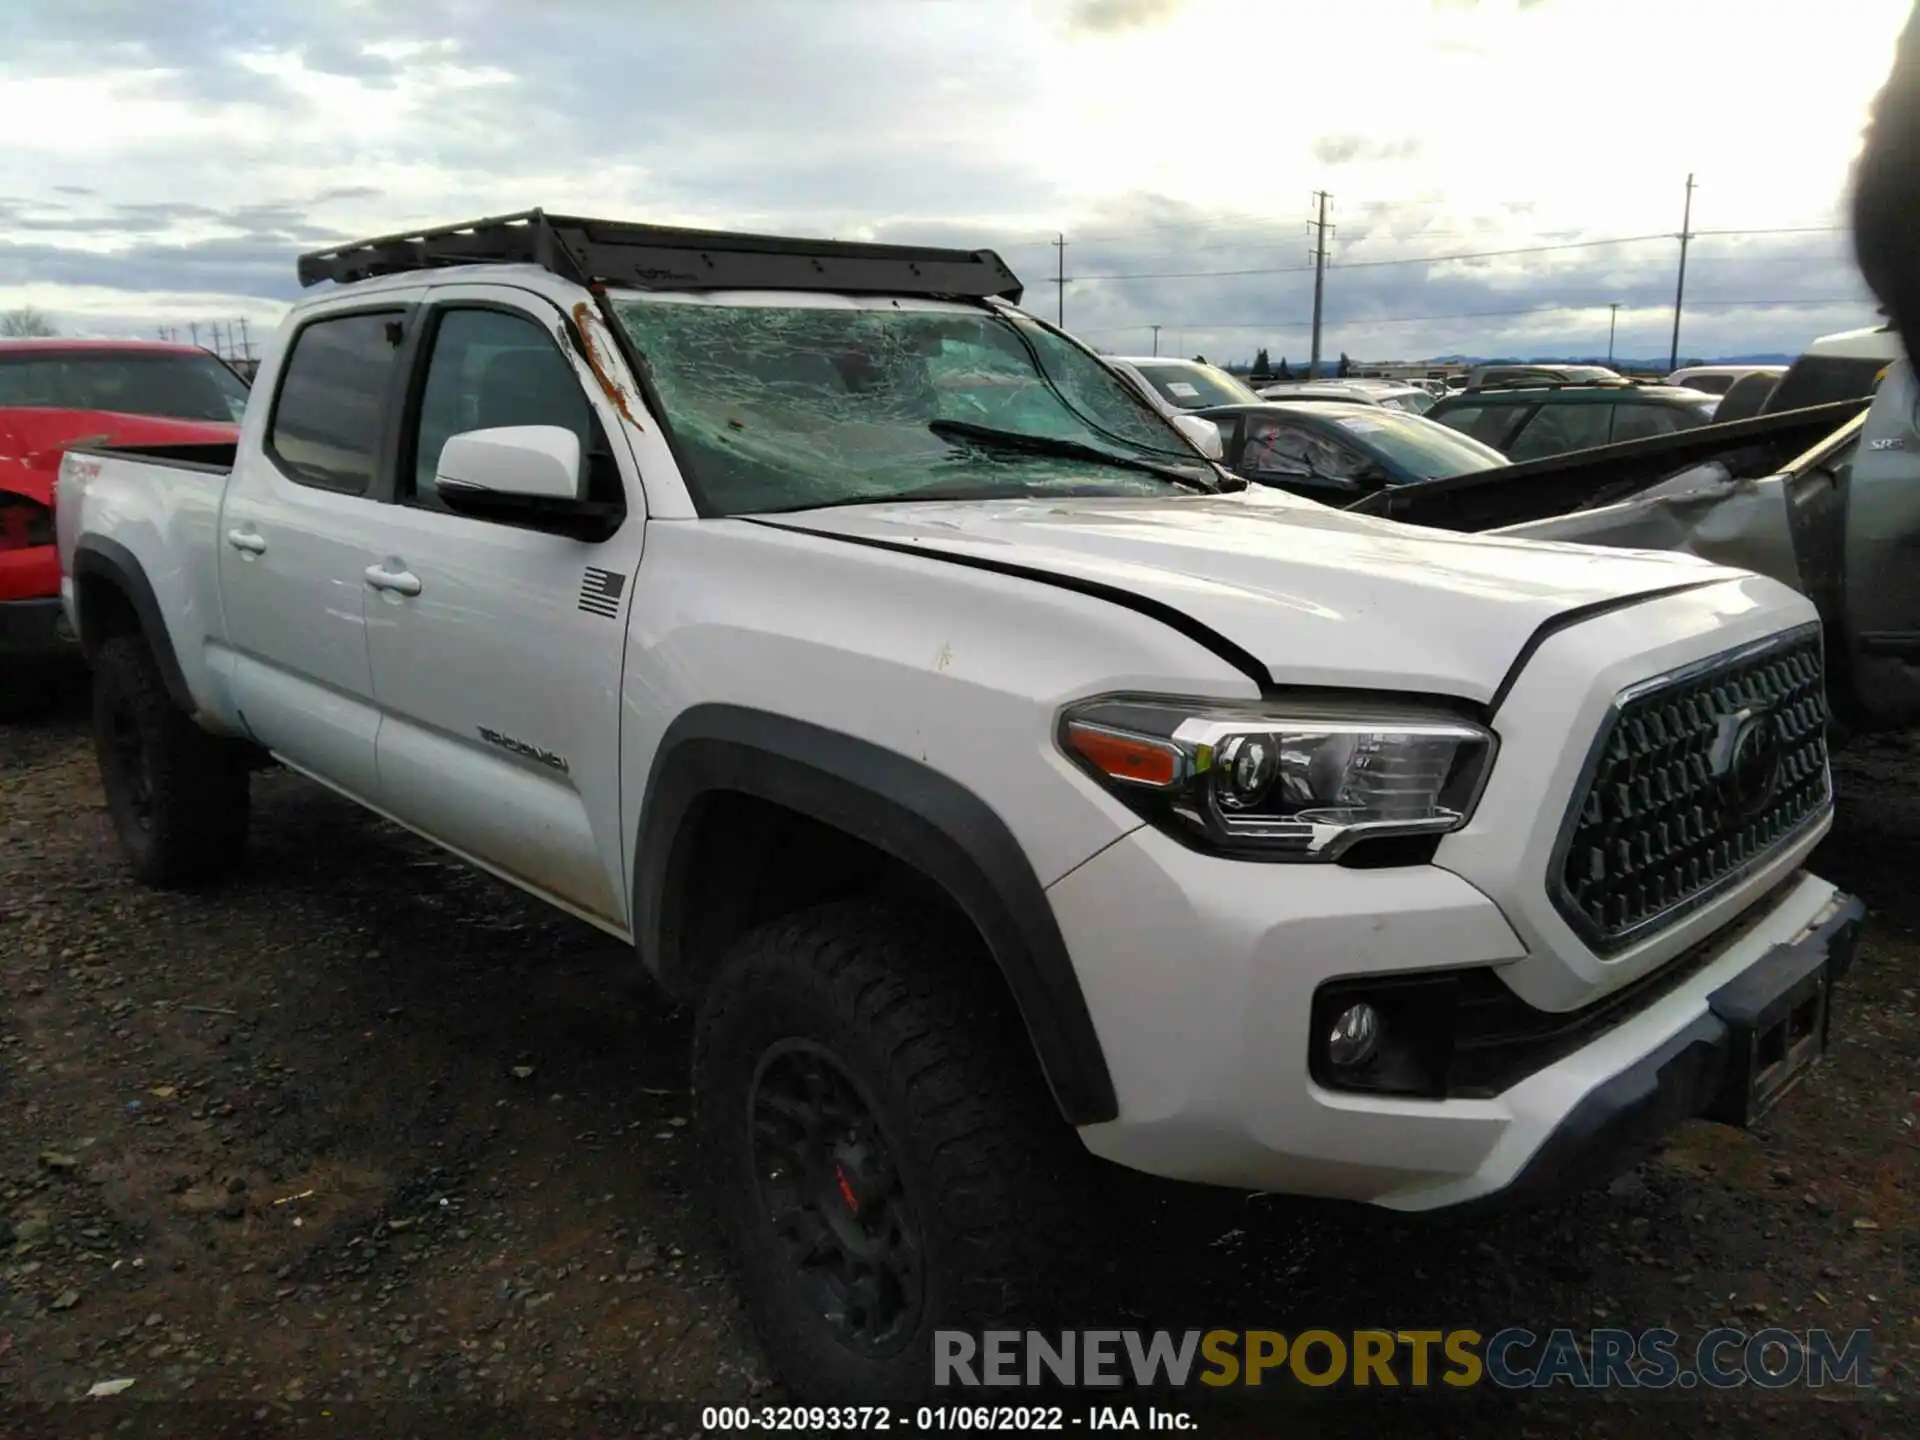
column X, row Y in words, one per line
column 27, row 323
column 1264, row 369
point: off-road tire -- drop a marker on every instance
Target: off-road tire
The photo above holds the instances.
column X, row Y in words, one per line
column 913, row 1014
column 178, row 797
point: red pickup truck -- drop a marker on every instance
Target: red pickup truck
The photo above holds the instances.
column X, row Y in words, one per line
column 58, row 393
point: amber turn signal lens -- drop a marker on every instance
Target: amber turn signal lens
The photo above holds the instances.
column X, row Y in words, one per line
column 1133, row 758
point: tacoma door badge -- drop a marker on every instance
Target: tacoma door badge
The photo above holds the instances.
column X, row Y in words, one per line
column 547, row 758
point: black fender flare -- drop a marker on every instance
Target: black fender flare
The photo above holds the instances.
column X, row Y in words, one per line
column 906, row 809
column 96, row 557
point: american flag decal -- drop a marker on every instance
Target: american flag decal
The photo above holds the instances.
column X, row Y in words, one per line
column 600, row 592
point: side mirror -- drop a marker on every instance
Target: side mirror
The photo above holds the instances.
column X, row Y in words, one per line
column 1204, row 433
column 525, row 475
column 527, row 462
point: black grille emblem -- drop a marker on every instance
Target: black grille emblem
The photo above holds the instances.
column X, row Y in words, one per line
column 1746, row 759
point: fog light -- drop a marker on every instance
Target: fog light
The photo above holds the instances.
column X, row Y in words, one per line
column 1355, row 1036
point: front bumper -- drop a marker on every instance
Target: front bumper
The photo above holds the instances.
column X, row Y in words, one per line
column 1202, row 1001
column 35, row 630
column 1710, row 1070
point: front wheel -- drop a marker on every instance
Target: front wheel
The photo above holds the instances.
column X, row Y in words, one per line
column 881, row 1149
column 179, row 797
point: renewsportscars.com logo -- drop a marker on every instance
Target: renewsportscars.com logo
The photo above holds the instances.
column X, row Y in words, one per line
column 1514, row 1358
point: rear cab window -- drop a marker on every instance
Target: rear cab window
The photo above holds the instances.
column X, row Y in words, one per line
column 1824, row 379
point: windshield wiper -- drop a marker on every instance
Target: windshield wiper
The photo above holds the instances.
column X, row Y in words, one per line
column 1020, row 440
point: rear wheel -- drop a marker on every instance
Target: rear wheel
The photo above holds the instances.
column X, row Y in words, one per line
column 178, row 797
column 882, row 1151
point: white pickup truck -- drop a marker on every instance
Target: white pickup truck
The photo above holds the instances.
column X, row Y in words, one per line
column 1005, row 783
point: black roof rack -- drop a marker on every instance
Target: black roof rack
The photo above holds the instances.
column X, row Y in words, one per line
column 1534, row 382
column 662, row 257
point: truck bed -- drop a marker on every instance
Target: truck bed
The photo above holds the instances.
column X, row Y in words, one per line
column 214, row 457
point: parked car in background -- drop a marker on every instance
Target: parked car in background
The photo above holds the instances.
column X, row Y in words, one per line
column 1719, row 379
column 1844, row 366
column 1202, row 432
column 1390, row 394
column 1184, row 384
column 1529, row 421
column 1336, row 450
column 1823, row 498
column 57, row 393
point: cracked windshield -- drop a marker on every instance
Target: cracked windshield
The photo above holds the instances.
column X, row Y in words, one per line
column 790, row 408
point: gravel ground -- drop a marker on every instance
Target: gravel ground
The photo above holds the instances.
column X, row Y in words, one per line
column 367, row 1128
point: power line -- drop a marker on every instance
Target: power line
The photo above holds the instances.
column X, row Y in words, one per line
column 1568, row 308
column 1444, row 259
column 1266, row 226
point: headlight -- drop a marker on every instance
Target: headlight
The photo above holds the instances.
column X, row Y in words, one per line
column 1283, row 781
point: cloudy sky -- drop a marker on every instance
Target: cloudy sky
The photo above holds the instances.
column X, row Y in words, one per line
column 167, row 159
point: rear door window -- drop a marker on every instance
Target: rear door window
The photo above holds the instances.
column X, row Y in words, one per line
column 1489, row 424
column 330, row 414
column 1642, row 422
column 1556, row 429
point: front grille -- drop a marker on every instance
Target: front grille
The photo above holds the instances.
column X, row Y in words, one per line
column 1671, row 810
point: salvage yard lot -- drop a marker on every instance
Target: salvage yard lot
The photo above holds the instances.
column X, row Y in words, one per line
column 365, row 1124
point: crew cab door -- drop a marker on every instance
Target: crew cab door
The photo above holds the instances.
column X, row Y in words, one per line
column 296, row 533
column 497, row 648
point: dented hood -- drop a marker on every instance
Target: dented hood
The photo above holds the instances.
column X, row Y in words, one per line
column 1315, row 596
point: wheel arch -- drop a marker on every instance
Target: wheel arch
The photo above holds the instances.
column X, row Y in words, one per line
column 113, row 596
column 923, row 821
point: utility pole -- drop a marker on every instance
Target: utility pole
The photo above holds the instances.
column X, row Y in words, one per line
column 1060, row 279
column 1156, row 338
column 1319, row 255
column 1612, row 320
column 1680, row 286
column 246, row 345
column 194, row 326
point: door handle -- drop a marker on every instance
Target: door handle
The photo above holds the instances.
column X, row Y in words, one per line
column 399, row 582
column 246, row 540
